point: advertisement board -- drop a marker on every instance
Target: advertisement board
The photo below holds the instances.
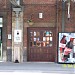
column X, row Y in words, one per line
column 66, row 48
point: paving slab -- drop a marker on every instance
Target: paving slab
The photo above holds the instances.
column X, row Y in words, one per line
column 39, row 67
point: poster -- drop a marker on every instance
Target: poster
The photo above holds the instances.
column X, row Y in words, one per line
column 66, row 48
column 17, row 35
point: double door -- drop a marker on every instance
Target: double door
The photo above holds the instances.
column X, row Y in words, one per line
column 41, row 44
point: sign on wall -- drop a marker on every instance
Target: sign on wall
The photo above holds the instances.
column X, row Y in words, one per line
column 9, row 36
column 17, row 36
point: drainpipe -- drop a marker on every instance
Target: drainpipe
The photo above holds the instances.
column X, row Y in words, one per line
column 56, row 57
column 63, row 16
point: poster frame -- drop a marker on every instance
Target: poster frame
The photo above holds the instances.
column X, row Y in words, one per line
column 58, row 47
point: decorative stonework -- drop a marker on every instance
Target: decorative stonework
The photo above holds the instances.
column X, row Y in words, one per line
column 17, row 47
column 40, row 25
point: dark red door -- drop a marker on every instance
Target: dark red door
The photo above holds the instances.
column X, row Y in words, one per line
column 41, row 44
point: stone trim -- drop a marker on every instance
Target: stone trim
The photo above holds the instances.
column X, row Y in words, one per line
column 40, row 25
column 25, row 54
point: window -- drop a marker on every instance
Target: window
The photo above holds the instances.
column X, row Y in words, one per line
column 34, row 38
column 41, row 39
column 47, row 38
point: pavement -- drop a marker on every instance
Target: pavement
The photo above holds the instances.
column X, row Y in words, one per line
column 37, row 67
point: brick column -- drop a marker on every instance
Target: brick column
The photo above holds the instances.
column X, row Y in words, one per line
column 9, row 40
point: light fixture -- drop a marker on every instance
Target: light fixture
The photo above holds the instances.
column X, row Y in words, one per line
column 16, row 2
column 69, row 0
column 68, row 7
column 40, row 15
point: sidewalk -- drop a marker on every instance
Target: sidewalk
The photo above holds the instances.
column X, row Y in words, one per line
column 39, row 67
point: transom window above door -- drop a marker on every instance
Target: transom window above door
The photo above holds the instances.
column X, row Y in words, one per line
column 41, row 38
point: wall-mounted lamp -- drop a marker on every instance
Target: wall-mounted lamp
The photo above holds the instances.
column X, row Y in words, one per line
column 16, row 3
column 69, row 0
column 40, row 15
column 68, row 4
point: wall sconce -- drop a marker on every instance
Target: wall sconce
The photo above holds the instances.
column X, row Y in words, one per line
column 40, row 15
column 68, row 4
column 68, row 0
column 16, row 2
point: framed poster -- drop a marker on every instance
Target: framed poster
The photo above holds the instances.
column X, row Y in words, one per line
column 66, row 48
column 17, row 35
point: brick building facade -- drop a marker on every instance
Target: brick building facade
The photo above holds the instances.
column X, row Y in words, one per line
column 33, row 45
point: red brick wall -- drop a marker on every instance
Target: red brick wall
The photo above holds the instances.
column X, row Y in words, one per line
column 2, row 4
column 9, row 22
column 69, row 24
column 5, row 8
column 49, row 10
column 9, row 27
column 39, row 1
column 32, row 12
column 59, row 17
